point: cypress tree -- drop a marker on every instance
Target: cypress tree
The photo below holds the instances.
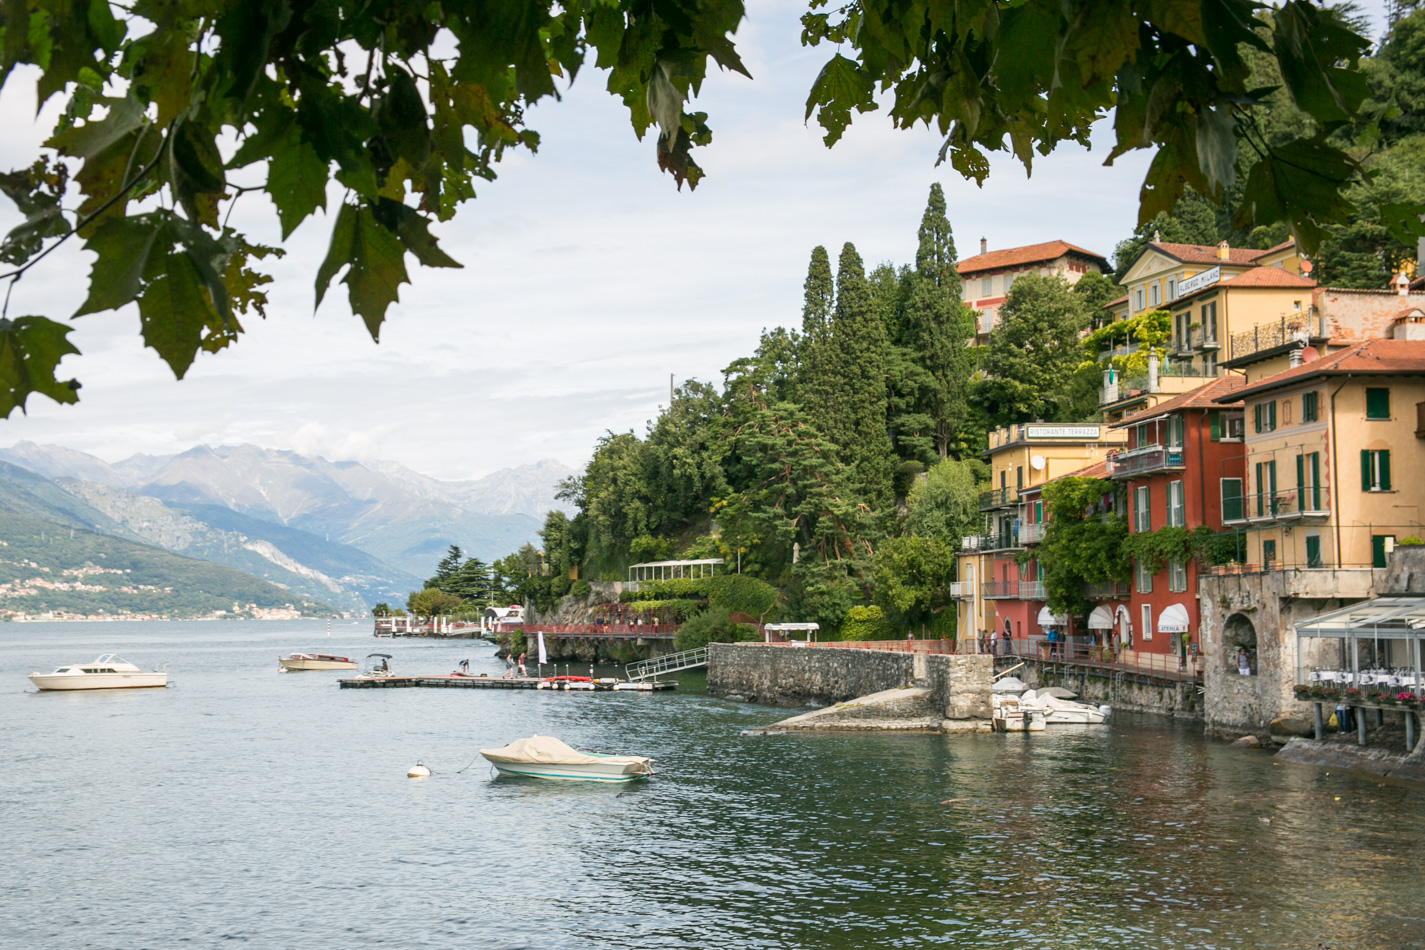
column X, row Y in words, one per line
column 939, row 326
column 818, row 376
column 858, row 407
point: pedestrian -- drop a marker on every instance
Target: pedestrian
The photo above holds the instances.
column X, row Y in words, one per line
column 994, row 641
column 1244, row 662
column 1345, row 718
column 509, row 667
column 522, row 673
column 465, row 666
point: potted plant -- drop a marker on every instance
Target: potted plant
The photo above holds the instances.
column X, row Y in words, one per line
column 1302, row 692
column 1408, row 699
column 1353, row 694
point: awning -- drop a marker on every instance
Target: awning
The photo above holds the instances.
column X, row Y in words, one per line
column 1173, row 619
column 1101, row 619
column 1046, row 619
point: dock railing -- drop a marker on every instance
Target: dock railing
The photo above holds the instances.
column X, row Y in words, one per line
column 668, row 663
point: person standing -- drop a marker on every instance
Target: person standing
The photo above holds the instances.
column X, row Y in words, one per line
column 994, row 641
column 1244, row 662
column 522, row 673
column 465, row 667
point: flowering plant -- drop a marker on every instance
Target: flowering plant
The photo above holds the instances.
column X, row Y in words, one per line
column 1407, row 698
column 1324, row 692
column 1353, row 692
column 1380, row 696
column 1302, row 692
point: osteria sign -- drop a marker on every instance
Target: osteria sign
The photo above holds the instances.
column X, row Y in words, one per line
column 1061, row 432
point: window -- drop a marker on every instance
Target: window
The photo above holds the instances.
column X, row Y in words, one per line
column 1381, row 546
column 1143, row 438
column 1296, row 305
column 1209, row 321
column 1175, row 505
column 1008, row 279
column 1264, row 416
column 1175, row 432
column 1147, row 617
column 1145, row 578
column 1266, row 488
column 1019, row 477
column 1138, row 299
column 1308, row 481
column 1177, row 576
column 1375, row 470
column 1308, row 407
column 1172, row 288
column 985, row 286
column 1232, row 500
column 1313, row 550
column 1236, row 428
column 1269, row 552
column 1209, row 362
column 1003, row 477
column 1153, row 294
column 1377, row 403
column 1141, row 519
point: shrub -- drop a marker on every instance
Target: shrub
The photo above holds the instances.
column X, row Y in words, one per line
column 866, row 623
column 581, row 588
column 1410, row 541
column 710, row 626
column 739, row 593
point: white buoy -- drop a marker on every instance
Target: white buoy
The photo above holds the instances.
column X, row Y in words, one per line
column 418, row 770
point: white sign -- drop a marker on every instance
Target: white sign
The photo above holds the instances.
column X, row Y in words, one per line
column 1198, row 281
column 1061, row 432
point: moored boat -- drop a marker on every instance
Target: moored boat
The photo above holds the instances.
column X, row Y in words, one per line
column 316, row 661
column 548, row 758
column 110, row 671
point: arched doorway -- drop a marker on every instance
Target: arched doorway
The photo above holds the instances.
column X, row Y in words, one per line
column 1239, row 633
column 1125, row 626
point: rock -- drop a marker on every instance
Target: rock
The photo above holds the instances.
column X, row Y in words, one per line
column 1248, row 742
column 1285, row 727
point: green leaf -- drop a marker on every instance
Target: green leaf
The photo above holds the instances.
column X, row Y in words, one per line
column 339, row 251
column 840, row 87
column 30, row 350
column 123, row 246
column 177, row 317
column 413, row 231
column 296, row 182
column 195, row 171
column 375, row 262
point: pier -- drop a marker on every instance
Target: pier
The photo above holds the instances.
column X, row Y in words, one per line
column 450, row 681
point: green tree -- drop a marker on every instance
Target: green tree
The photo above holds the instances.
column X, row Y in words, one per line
column 431, row 603
column 819, row 378
column 447, row 569
column 473, row 583
column 866, row 623
column 1084, row 542
column 381, row 610
column 407, row 105
column 1097, row 289
column 945, row 506
column 1192, row 221
column 1033, row 355
column 859, row 397
column 912, row 579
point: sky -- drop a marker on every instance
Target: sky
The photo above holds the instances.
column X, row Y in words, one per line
column 588, row 279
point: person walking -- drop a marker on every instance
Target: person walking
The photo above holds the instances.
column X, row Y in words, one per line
column 522, row 672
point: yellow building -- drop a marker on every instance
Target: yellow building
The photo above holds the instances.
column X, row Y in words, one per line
column 1334, row 448
column 1165, row 272
column 987, row 277
column 1020, row 457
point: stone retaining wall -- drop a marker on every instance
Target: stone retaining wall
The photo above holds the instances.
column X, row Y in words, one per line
column 800, row 676
column 1178, row 700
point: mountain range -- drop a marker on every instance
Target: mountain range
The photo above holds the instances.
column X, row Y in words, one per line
column 344, row 533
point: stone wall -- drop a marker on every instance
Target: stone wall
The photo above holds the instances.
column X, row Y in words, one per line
column 820, row 676
column 1180, row 700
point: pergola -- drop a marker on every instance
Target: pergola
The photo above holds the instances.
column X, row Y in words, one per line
column 1380, row 649
column 669, row 570
column 809, row 629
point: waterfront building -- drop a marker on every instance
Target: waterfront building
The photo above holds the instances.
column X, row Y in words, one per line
column 1022, row 458
column 1182, row 469
column 987, row 277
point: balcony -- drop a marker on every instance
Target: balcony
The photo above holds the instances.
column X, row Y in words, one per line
column 1031, row 533
column 1146, row 460
column 962, row 590
column 1003, row 541
column 1174, row 378
column 1295, row 504
column 1196, row 339
column 998, row 498
column 999, row 590
column 1297, row 330
column 1031, row 590
column 1109, row 590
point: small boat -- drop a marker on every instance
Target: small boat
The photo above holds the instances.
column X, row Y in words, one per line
column 547, row 757
column 1058, row 711
column 316, row 661
column 110, row 671
column 377, row 666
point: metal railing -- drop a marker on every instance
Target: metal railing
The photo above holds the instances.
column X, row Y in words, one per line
column 1141, row 461
column 1109, row 590
column 1289, row 504
column 998, row 498
column 669, row 663
column 994, row 542
column 1000, row 589
column 604, row 631
column 1031, row 532
column 962, row 590
column 1298, row 328
column 1031, row 590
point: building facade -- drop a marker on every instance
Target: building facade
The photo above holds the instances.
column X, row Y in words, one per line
column 987, row 277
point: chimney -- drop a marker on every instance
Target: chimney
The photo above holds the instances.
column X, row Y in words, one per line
column 1222, row 254
column 1294, row 358
column 984, row 246
column 1402, row 284
column 1152, row 371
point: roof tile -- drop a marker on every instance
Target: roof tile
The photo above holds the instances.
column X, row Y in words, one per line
column 1373, row 357
column 1029, row 254
column 1221, row 391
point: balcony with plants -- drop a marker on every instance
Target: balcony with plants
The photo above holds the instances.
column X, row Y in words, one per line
column 1146, row 460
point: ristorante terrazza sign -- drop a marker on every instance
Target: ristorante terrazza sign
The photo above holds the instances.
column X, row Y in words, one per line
column 1061, row 432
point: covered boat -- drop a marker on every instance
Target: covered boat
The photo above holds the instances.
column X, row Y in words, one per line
column 547, row 757
column 110, row 671
column 316, row 661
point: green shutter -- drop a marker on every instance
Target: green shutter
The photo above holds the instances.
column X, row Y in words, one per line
column 1272, row 416
column 1377, row 403
column 1313, row 550
column 1257, row 417
column 1384, row 469
column 1365, row 470
column 1315, row 481
column 1259, row 489
column 1214, row 425
column 1231, row 499
column 1378, row 550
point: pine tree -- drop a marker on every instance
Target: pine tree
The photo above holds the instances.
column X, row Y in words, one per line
column 818, row 382
column 938, row 326
column 446, row 570
column 858, row 406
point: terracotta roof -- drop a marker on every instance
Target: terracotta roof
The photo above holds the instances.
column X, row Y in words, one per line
column 1206, row 254
column 1371, row 358
column 1029, row 254
column 1221, row 391
column 1267, row 277
column 1098, row 469
column 1115, row 302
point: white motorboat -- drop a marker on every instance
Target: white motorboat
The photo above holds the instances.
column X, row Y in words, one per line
column 110, row 671
column 378, row 666
column 548, row 758
column 316, row 661
column 1057, row 711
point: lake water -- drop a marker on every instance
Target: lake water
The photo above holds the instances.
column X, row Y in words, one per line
column 245, row 805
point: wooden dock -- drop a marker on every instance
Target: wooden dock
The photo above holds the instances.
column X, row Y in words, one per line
column 449, row 681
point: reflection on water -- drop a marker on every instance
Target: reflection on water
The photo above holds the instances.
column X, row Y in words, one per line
column 244, row 804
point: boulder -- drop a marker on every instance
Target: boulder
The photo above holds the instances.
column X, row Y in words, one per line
column 1248, row 742
column 1288, row 728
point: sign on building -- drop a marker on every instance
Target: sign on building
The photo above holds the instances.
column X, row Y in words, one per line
column 1198, row 281
column 1061, row 432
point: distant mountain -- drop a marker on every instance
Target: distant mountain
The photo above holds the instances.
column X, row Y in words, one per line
column 54, row 570
column 388, row 511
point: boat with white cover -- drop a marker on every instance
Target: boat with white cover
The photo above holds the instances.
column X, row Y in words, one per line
column 1059, row 711
column 110, row 671
column 547, row 757
column 316, row 661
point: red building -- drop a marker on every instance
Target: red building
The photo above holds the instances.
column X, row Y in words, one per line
column 1183, row 468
